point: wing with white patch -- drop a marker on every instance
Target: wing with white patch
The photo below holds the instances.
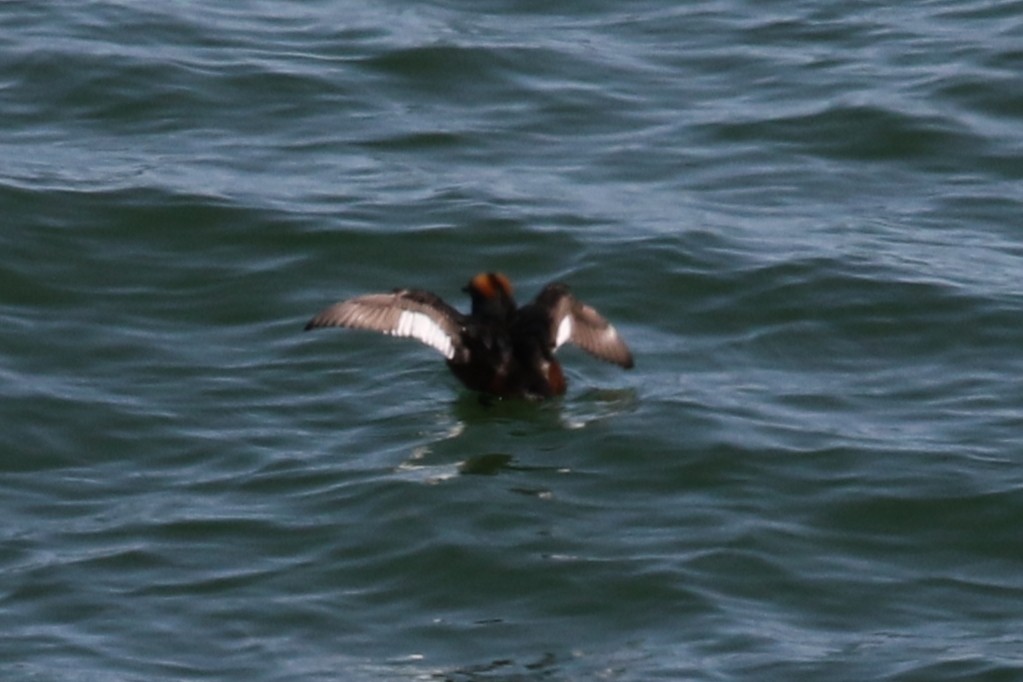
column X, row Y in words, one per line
column 406, row 313
column 572, row 321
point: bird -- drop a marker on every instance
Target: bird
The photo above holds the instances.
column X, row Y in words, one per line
column 498, row 349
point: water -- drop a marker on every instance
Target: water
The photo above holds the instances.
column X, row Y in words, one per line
column 803, row 218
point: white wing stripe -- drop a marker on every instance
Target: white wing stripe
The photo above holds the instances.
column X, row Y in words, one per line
column 564, row 331
column 423, row 328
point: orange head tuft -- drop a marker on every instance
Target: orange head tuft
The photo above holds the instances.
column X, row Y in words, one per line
column 491, row 285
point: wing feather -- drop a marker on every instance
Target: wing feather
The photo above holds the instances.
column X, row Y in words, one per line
column 572, row 321
column 407, row 313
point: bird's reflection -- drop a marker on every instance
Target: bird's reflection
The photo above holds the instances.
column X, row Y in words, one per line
column 486, row 438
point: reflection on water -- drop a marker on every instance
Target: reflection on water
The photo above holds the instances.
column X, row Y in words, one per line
column 598, row 404
column 546, row 666
column 486, row 465
column 574, row 411
column 464, row 431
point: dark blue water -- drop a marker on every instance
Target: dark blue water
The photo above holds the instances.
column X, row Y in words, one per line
column 804, row 219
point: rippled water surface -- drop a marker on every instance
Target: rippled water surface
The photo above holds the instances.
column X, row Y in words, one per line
column 804, row 218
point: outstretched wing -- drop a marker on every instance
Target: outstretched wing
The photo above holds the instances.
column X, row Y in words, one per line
column 572, row 321
column 408, row 313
